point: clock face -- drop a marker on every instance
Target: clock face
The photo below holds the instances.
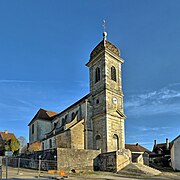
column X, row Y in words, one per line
column 115, row 101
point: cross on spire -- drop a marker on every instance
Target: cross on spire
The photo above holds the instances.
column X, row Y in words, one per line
column 104, row 25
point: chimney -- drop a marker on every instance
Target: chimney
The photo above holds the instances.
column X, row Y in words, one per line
column 155, row 143
column 6, row 131
column 167, row 144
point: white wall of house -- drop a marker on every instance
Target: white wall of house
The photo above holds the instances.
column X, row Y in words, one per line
column 175, row 154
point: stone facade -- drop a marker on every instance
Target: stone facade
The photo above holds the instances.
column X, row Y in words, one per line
column 107, row 98
column 97, row 120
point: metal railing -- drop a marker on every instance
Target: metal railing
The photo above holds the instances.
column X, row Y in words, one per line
column 16, row 166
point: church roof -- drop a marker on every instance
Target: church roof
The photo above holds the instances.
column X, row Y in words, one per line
column 104, row 44
column 43, row 114
column 74, row 104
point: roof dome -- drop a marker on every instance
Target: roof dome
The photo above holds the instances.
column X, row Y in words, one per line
column 104, row 44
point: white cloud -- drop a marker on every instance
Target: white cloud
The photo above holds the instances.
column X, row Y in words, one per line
column 165, row 100
column 153, row 128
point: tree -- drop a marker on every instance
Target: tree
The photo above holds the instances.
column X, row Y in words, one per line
column 14, row 145
column 24, row 149
column 23, row 143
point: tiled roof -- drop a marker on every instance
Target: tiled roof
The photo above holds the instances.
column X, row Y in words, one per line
column 136, row 148
column 43, row 114
column 76, row 103
column 7, row 136
column 162, row 145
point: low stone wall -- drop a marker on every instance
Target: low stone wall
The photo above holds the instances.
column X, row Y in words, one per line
column 113, row 161
column 106, row 162
column 76, row 159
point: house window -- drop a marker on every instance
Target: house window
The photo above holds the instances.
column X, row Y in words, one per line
column 50, row 143
column 97, row 75
column 33, row 129
column 113, row 73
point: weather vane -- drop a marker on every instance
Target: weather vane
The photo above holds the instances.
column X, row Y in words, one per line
column 104, row 28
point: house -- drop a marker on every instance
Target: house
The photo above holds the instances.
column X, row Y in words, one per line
column 5, row 138
column 175, row 153
column 139, row 153
column 161, row 153
column 167, row 154
column 162, row 149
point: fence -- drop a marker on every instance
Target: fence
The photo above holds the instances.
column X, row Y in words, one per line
column 14, row 166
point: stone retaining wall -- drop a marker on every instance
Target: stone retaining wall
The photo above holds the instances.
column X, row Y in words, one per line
column 76, row 159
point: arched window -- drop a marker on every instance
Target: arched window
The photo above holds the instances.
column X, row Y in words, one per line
column 115, row 142
column 72, row 116
column 98, row 142
column 33, row 129
column 97, row 75
column 50, row 143
column 66, row 117
column 113, row 73
column 42, row 145
column 55, row 124
column 63, row 121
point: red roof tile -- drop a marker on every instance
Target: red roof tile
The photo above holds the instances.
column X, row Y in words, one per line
column 7, row 136
column 136, row 148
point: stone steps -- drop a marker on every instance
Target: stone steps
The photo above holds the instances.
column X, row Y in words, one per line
column 137, row 169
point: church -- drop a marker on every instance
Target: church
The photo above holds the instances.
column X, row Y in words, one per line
column 96, row 121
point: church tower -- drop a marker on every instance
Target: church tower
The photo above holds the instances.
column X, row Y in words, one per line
column 106, row 97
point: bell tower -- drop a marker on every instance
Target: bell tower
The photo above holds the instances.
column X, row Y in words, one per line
column 106, row 97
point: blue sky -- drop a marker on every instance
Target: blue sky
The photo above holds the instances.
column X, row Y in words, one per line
column 44, row 46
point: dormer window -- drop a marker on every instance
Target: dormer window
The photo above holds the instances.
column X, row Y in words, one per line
column 113, row 73
column 97, row 75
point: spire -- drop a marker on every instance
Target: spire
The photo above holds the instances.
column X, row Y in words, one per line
column 104, row 28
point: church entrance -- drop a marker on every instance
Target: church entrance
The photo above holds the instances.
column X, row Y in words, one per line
column 98, row 142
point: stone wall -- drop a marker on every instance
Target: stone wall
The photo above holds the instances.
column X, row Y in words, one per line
column 63, row 140
column 77, row 135
column 76, row 159
column 113, row 161
column 106, row 162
